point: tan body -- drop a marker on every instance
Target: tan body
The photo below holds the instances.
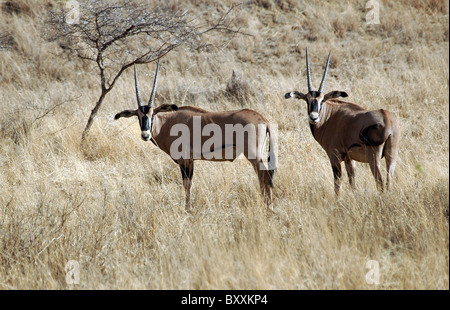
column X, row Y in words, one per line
column 165, row 117
column 163, row 123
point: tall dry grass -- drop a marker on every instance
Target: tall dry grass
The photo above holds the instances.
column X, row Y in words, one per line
column 117, row 207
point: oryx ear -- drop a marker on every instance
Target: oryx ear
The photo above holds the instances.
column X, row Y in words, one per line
column 165, row 108
column 126, row 113
column 295, row 94
column 334, row 94
column 169, row 107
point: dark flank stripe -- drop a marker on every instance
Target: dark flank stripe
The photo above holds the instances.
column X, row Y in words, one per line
column 364, row 136
column 354, row 145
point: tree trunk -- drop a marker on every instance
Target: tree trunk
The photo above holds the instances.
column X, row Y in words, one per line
column 92, row 116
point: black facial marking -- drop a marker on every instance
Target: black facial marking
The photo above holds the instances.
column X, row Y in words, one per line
column 144, row 109
column 314, row 106
column 145, row 124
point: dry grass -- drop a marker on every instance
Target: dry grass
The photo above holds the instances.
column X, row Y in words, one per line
column 118, row 206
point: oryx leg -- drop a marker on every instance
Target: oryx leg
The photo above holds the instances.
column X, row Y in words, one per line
column 390, row 152
column 374, row 156
column 350, row 167
column 337, row 173
column 187, row 171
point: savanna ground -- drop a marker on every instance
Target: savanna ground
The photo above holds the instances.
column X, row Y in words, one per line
column 117, row 206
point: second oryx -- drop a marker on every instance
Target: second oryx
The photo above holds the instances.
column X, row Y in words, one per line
column 347, row 132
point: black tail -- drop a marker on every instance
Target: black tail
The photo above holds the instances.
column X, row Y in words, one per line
column 271, row 160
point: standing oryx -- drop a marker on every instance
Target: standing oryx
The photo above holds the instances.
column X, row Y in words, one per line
column 349, row 133
column 205, row 135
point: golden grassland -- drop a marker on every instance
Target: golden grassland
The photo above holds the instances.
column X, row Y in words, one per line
column 117, row 206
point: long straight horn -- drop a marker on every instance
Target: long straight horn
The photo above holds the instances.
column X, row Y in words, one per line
column 308, row 73
column 322, row 84
column 155, row 82
column 138, row 93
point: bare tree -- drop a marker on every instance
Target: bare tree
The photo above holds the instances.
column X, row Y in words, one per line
column 117, row 34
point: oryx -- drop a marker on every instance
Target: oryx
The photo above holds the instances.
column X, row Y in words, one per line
column 205, row 135
column 349, row 133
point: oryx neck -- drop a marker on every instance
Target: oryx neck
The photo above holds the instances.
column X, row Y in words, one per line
column 157, row 122
column 324, row 115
